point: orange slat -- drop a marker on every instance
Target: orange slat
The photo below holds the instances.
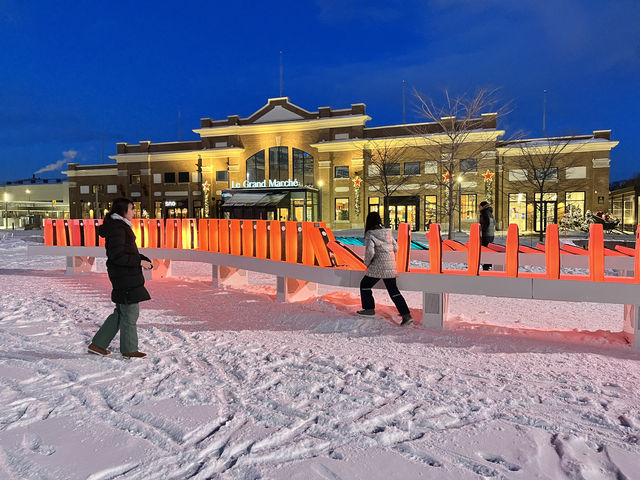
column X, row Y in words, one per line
column 291, row 242
column 596, row 252
column 404, row 247
column 223, row 235
column 261, row 240
column 347, row 256
column 48, row 232
column 473, row 251
column 308, row 255
column 76, row 234
column 552, row 252
column 235, row 237
column 212, row 225
column 435, row 248
column 275, row 239
column 203, row 234
column 454, row 245
column 156, row 233
column 319, row 239
column 513, row 242
column 247, row 238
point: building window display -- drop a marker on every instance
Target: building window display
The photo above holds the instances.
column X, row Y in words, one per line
column 134, row 179
column 255, row 167
column 574, row 203
column 629, row 215
column 341, row 172
column 342, row 209
column 412, row 168
column 374, row 204
column 518, row 210
column 223, row 175
column 169, row 177
column 468, row 206
column 302, row 167
column 183, row 177
column 279, row 163
column 430, row 210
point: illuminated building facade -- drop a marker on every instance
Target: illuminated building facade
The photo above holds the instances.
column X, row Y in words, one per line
column 284, row 162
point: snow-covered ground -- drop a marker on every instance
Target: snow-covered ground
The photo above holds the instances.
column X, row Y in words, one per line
column 238, row 386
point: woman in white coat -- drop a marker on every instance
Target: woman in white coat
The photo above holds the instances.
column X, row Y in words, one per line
column 380, row 258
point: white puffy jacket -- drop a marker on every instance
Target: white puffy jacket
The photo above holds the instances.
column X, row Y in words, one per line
column 380, row 253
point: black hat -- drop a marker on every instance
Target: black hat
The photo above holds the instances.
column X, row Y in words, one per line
column 484, row 204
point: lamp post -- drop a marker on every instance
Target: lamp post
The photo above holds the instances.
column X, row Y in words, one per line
column 28, row 192
column 460, row 203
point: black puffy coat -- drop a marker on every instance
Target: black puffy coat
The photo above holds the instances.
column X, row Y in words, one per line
column 487, row 222
column 123, row 262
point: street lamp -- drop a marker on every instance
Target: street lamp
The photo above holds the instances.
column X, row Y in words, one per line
column 460, row 203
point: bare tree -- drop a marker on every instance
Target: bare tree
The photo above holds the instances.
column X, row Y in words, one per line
column 544, row 166
column 459, row 130
column 383, row 161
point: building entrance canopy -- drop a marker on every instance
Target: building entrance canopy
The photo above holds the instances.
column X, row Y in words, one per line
column 298, row 203
column 253, row 199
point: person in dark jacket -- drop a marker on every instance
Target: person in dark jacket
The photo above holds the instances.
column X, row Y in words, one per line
column 380, row 258
column 124, row 267
column 488, row 225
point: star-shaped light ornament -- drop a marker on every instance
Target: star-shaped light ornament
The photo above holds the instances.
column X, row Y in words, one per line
column 446, row 177
column 357, row 181
column 206, row 186
column 488, row 176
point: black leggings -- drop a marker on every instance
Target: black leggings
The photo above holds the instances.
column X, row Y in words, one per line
column 367, row 295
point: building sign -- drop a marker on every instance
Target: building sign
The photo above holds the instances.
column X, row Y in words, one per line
column 170, row 203
column 266, row 184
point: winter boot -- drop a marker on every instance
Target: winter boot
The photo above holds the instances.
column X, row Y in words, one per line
column 134, row 355
column 368, row 312
column 407, row 319
column 96, row 350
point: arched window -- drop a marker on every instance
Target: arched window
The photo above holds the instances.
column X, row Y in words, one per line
column 302, row 167
column 255, row 167
column 279, row 163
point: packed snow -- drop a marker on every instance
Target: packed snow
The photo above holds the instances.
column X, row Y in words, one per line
column 238, row 386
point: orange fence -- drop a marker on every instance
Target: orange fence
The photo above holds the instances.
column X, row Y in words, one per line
column 311, row 243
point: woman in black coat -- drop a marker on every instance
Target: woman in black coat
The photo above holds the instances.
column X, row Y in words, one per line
column 124, row 266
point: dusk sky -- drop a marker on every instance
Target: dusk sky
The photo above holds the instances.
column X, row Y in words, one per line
column 77, row 75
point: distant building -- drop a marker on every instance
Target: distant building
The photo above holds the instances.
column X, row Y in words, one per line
column 284, row 162
column 27, row 202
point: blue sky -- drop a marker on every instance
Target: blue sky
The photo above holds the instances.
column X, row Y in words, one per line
column 77, row 75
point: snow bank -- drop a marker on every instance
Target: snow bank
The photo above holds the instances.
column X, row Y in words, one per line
column 238, row 386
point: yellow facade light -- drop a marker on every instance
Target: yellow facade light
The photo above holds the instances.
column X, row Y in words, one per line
column 320, row 183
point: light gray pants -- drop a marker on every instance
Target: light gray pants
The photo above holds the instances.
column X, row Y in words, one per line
column 123, row 318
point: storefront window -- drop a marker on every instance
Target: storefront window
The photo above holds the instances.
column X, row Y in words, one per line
column 374, row 204
column 518, row 210
column 342, row 209
column 158, row 209
column 279, row 163
column 468, row 208
column 223, row 175
column 574, row 203
column 629, row 218
column 169, row 177
column 430, row 209
column 183, row 177
column 137, row 210
column 255, row 167
column 468, row 165
column 302, row 167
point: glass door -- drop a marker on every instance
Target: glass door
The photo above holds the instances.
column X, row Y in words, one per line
column 544, row 211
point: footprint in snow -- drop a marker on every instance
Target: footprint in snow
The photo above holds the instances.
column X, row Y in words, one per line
column 498, row 460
